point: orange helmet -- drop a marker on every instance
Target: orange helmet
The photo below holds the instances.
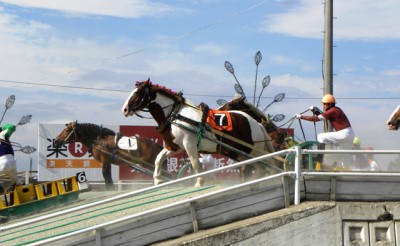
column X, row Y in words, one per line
column 328, row 98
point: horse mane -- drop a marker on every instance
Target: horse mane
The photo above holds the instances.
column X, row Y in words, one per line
column 175, row 96
column 255, row 109
column 266, row 116
column 251, row 107
column 93, row 130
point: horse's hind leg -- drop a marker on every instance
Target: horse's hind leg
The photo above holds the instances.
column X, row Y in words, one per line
column 194, row 159
column 106, row 169
column 245, row 172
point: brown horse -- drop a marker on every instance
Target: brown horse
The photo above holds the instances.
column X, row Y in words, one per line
column 184, row 128
column 393, row 122
column 101, row 143
column 241, row 104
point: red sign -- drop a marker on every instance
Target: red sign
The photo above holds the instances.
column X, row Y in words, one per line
column 77, row 149
column 175, row 163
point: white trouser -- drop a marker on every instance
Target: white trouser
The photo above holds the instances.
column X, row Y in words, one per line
column 8, row 166
column 343, row 140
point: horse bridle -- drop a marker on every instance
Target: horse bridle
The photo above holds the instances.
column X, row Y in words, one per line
column 147, row 96
column 395, row 123
column 138, row 106
column 70, row 134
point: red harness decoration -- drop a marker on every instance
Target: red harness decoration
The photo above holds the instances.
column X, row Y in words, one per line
column 220, row 120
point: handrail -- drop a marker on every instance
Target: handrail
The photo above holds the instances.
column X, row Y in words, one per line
column 26, row 174
column 151, row 211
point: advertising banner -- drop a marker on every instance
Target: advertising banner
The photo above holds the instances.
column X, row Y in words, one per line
column 69, row 159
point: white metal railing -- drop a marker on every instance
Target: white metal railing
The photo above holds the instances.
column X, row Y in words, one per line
column 300, row 174
column 297, row 174
column 25, row 174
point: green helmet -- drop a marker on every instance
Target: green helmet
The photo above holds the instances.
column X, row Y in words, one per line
column 10, row 128
column 356, row 141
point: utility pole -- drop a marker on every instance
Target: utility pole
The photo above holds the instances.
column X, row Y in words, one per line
column 328, row 44
column 328, row 54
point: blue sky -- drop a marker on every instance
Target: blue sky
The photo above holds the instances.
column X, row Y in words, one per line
column 78, row 60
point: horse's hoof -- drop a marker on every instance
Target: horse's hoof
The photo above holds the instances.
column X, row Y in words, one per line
column 157, row 182
column 110, row 188
column 199, row 183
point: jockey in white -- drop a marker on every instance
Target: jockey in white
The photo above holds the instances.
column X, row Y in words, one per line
column 8, row 165
column 343, row 135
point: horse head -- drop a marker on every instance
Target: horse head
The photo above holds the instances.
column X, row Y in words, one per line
column 393, row 122
column 144, row 96
column 68, row 135
column 139, row 98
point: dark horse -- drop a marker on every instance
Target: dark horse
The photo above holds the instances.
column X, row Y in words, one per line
column 184, row 128
column 241, row 104
column 101, row 142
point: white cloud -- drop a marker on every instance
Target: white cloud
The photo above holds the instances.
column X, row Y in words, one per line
column 303, row 65
column 124, row 9
column 392, row 72
column 303, row 20
column 356, row 19
column 211, row 48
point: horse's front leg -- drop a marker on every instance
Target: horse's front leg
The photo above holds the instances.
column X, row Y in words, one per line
column 106, row 169
column 161, row 157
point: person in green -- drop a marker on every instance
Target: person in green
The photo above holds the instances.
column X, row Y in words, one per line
column 8, row 164
column 360, row 160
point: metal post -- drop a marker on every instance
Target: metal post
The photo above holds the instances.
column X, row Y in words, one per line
column 328, row 53
column 298, row 175
column 328, row 40
column 27, row 174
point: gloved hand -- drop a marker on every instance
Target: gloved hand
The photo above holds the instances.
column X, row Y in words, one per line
column 315, row 110
column 297, row 116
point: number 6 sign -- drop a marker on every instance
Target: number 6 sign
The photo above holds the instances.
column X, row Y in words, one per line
column 82, row 181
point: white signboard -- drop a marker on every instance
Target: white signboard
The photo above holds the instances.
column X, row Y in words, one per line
column 69, row 159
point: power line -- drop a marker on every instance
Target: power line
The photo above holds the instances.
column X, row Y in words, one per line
column 199, row 29
column 61, row 86
column 188, row 94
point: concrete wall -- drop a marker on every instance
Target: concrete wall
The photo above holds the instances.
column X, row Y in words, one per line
column 310, row 223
